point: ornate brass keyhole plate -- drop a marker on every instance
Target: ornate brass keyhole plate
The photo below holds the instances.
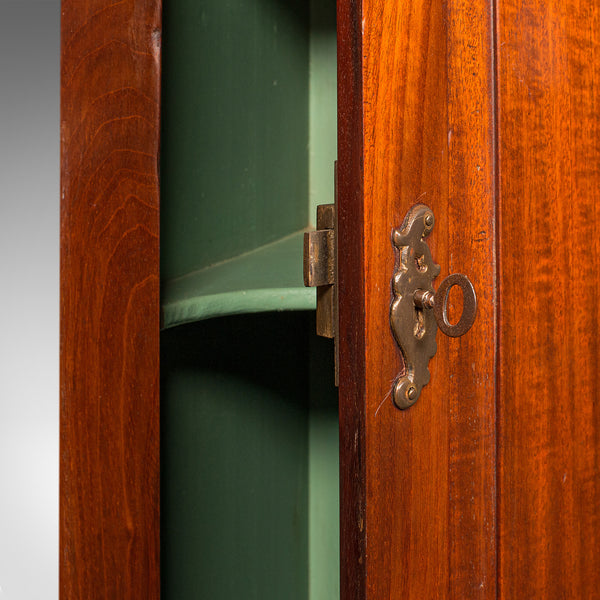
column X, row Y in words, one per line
column 417, row 310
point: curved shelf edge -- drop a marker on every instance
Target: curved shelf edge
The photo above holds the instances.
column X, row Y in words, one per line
column 266, row 279
column 235, row 303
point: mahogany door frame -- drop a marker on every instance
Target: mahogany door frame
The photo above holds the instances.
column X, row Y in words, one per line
column 109, row 365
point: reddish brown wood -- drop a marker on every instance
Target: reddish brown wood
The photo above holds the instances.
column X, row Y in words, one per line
column 109, row 455
column 549, row 415
column 349, row 201
column 416, row 125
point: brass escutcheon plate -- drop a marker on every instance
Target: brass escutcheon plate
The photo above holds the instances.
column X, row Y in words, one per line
column 414, row 328
column 417, row 310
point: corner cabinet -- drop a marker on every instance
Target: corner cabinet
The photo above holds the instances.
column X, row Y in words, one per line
column 204, row 452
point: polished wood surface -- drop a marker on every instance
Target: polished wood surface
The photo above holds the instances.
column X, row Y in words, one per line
column 351, row 294
column 416, row 125
column 549, row 259
column 109, row 432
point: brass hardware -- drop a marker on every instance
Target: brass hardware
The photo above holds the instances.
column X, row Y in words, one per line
column 320, row 271
column 320, row 268
column 417, row 310
column 319, row 255
column 413, row 327
column 469, row 305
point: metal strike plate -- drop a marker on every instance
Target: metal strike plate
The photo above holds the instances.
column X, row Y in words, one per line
column 320, row 271
column 320, row 268
column 417, row 310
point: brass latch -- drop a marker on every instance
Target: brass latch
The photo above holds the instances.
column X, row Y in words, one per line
column 320, row 268
column 417, row 310
column 320, row 271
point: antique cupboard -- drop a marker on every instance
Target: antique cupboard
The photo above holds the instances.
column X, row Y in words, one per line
column 228, row 468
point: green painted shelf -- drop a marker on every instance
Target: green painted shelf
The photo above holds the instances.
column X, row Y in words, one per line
column 266, row 279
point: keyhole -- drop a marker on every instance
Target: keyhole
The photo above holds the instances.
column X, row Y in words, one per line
column 420, row 328
column 420, row 263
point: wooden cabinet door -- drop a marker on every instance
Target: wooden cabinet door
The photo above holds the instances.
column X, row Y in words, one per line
column 109, row 364
column 488, row 112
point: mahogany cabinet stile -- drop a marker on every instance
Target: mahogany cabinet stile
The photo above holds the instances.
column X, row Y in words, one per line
column 416, row 125
column 549, row 251
column 109, row 433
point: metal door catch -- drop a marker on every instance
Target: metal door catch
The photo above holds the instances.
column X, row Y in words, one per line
column 320, row 268
column 417, row 310
column 320, row 271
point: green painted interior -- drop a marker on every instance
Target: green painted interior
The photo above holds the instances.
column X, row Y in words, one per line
column 247, row 148
column 265, row 279
column 322, row 104
column 323, row 472
column 249, row 463
column 249, row 460
column 234, row 165
column 234, row 460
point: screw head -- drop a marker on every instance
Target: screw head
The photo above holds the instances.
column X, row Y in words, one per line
column 411, row 393
column 429, row 219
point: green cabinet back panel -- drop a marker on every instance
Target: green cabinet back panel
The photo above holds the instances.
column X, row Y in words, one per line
column 234, row 164
column 235, row 459
column 322, row 104
column 240, row 482
column 323, row 472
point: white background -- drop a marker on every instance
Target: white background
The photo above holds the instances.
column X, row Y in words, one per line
column 29, row 298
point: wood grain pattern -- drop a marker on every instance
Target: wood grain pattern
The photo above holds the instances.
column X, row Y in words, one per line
column 421, row 481
column 109, row 432
column 549, row 416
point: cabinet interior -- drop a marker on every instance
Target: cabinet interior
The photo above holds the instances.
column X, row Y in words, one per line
column 249, row 424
